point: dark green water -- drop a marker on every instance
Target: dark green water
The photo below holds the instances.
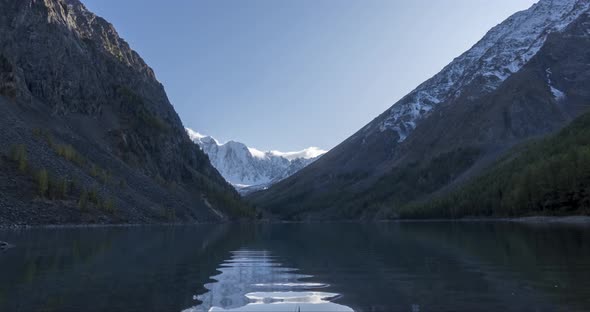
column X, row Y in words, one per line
column 299, row 267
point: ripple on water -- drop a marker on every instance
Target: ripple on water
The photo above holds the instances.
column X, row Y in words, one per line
column 254, row 281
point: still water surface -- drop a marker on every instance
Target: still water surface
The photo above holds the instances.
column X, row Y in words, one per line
column 412, row 267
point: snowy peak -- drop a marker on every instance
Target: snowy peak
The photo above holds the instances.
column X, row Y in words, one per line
column 248, row 168
column 194, row 135
column 503, row 51
column 308, row 153
column 526, row 79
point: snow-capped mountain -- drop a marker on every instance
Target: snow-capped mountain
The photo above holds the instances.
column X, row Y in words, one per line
column 503, row 51
column 250, row 169
column 527, row 77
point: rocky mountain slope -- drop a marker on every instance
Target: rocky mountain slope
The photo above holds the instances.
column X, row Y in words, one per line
column 527, row 77
column 88, row 134
column 249, row 169
column 549, row 176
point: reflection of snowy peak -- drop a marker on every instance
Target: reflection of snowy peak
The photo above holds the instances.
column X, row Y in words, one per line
column 254, row 281
column 502, row 52
column 248, row 168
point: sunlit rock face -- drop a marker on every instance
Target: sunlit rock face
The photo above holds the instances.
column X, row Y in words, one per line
column 254, row 280
column 249, row 169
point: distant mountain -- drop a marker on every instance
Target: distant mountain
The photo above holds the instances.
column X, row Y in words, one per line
column 88, row 134
column 527, row 77
column 249, row 169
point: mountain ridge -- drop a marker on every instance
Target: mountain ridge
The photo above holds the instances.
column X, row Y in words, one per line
column 433, row 142
column 89, row 135
column 498, row 55
column 250, row 169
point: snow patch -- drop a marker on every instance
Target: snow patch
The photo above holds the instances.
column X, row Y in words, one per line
column 257, row 153
column 557, row 94
column 249, row 168
column 194, row 135
column 308, row 153
column 503, row 51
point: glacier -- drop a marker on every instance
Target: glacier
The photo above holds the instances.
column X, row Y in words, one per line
column 249, row 169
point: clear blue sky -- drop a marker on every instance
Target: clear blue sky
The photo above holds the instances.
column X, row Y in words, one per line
column 288, row 74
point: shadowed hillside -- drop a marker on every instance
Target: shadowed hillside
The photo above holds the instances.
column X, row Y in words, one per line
column 88, row 134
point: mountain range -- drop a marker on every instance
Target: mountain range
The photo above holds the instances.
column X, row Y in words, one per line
column 89, row 136
column 249, row 169
column 526, row 78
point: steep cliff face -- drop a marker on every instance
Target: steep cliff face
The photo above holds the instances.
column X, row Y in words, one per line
column 526, row 78
column 68, row 80
column 249, row 169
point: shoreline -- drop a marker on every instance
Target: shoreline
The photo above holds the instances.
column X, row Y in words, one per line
column 107, row 225
column 573, row 220
column 583, row 220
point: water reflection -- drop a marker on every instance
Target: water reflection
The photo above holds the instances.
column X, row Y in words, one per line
column 418, row 267
column 255, row 280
